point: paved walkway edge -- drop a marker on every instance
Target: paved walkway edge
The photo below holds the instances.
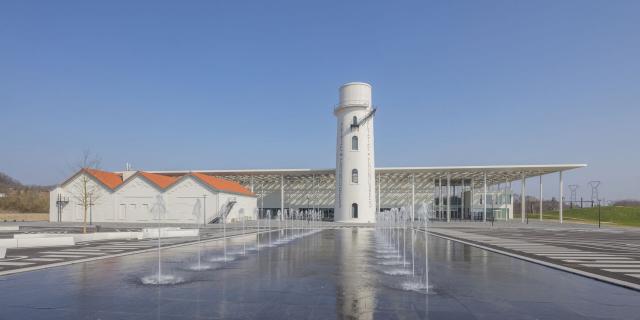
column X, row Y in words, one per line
column 59, row 264
column 598, row 277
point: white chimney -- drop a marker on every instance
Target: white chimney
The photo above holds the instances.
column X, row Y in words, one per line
column 128, row 171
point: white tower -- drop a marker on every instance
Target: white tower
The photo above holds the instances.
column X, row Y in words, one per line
column 355, row 170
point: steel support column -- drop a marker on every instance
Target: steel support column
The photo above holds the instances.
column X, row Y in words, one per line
column 433, row 204
column 281, row 196
column 540, row 208
column 484, row 197
column 462, row 200
column 504, row 200
column 523, row 207
column 261, row 201
column 379, row 192
column 413, row 197
column 471, row 192
column 561, row 197
column 448, row 197
column 440, row 206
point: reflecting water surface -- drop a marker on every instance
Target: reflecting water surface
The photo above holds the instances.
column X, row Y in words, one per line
column 341, row 273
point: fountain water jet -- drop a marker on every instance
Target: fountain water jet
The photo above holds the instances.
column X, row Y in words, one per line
column 244, row 243
column 390, row 226
column 426, row 247
column 269, row 213
column 419, row 286
column 403, row 214
column 197, row 215
column 224, row 235
column 159, row 210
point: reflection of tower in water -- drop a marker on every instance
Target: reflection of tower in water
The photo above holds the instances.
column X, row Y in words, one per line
column 355, row 283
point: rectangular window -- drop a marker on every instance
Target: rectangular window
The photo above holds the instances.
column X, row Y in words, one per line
column 122, row 212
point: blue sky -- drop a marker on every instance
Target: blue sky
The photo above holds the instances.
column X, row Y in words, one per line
column 238, row 84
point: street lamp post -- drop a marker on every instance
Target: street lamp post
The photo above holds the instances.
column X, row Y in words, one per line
column 598, row 214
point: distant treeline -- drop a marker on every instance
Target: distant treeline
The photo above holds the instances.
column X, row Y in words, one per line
column 31, row 200
column 16, row 197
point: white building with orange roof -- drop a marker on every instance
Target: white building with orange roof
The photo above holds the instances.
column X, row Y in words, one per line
column 130, row 196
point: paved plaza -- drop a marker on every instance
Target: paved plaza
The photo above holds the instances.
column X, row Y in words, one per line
column 336, row 273
column 474, row 271
column 609, row 254
column 27, row 259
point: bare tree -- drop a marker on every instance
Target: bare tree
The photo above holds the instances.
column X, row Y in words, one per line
column 85, row 191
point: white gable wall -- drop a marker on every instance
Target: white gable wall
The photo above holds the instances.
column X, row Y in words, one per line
column 133, row 201
column 74, row 211
column 182, row 198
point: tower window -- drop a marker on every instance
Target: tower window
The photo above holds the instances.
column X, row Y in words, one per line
column 354, row 175
column 354, row 143
column 354, row 211
column 355, row 121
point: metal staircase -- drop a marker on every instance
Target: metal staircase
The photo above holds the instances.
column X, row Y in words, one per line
column 356, row 126
column 367, row 117
column 225, row 211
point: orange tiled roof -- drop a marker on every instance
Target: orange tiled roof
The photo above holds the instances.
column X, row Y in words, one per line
column 159, row 180
column 109, row 179
column 222, row 184
column 113, row 180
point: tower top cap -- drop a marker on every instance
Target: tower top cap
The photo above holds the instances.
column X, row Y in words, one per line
column 355, row 94
column 355, row 84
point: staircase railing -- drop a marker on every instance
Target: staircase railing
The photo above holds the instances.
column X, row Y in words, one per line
column 224, row 212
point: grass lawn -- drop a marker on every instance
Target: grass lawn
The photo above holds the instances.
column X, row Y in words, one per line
column 623, row 216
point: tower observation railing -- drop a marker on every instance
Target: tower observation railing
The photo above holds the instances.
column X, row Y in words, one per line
column 352, row 103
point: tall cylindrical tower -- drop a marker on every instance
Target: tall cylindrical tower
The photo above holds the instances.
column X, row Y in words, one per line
column 355, row 170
